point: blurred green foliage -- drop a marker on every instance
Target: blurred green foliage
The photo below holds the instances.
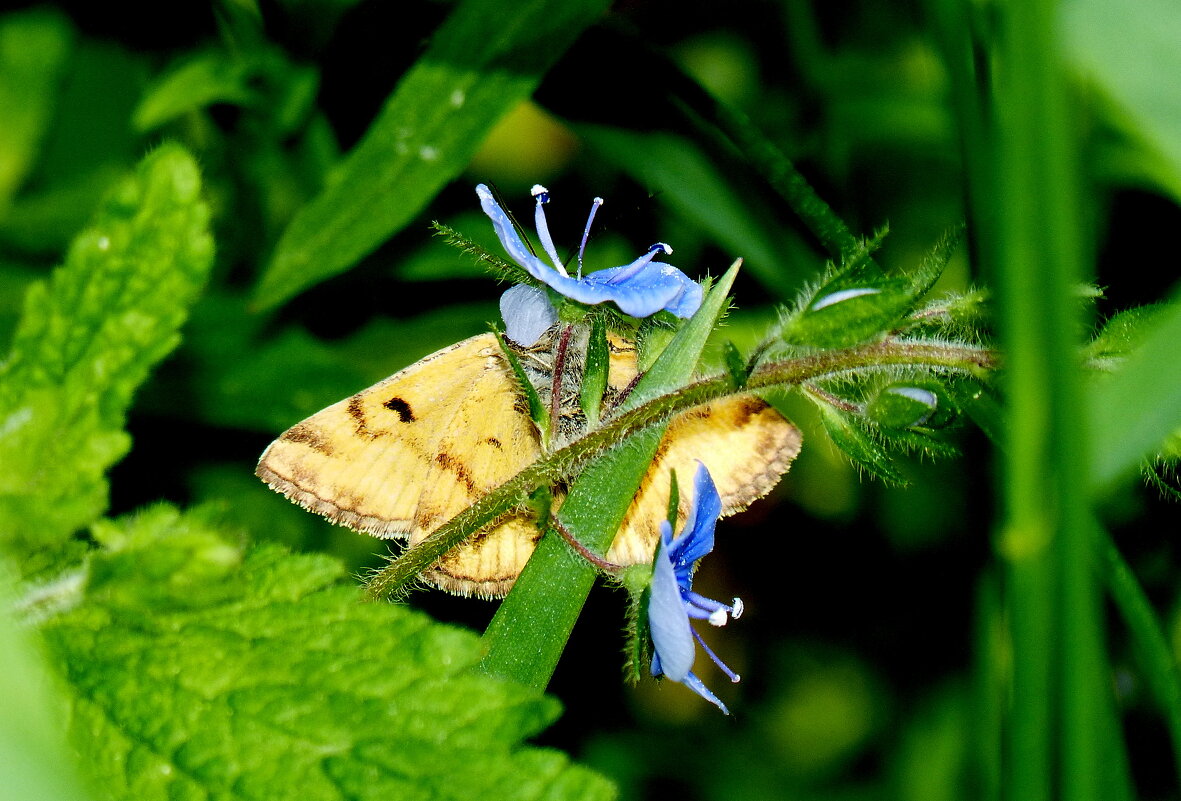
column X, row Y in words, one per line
column 877, row 652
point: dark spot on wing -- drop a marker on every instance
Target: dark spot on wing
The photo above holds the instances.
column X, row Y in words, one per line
column 449, row 462
column 401, row 408
column 494, row 442
column 356, row 410
column 748, row 409
column 309, row 436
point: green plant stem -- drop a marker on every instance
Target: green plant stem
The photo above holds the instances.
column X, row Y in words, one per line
column 781, row 174
column 1059, row 743
column 393, row 578
column 1156, row 657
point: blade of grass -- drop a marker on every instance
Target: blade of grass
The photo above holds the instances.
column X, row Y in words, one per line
column 481, row 62
column 1061, row 706
column 1148, row 640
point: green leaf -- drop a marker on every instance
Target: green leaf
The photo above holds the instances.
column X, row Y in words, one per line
column 594, row 376
column 214, row 76
column 857, row 302
column 200, row 672
column 35, row 760
column 838, row 317
column 690, row 184
column 735, row 365
column 261, row 78
column 1133, row 411
column 857, row 443
column 538, row 411
column 1123, row 333
column 88, row 338
column 526, row 637
column 1124, row 49
column 852, row 307
column 481, row 62
column 34, row 47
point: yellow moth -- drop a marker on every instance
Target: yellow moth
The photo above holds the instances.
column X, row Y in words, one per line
column 407, row 454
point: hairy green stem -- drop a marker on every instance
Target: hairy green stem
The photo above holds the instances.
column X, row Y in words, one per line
column 399, row 573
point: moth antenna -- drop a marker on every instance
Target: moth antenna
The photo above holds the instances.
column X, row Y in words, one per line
column 541, row 195
column 511, row 218
column 586, row 231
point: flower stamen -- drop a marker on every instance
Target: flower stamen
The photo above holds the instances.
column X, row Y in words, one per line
column 541, row 195
column 586, row 231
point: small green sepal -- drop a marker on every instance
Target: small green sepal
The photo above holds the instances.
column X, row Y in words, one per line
column 911, row 405
column 850, row 435
column 595, row 373
column 736, row 366
column 538, row 413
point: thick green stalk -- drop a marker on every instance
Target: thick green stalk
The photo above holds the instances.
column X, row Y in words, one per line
column 1061, row 709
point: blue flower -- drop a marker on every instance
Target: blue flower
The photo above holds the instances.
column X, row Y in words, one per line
column 672, row 602
column 639, row 289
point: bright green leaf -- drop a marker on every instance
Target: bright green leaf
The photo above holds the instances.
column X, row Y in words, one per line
column 1123, row 333
column 1133, row 411
column 481, row 62
column 1128, row 51
column 856, row 302
column 34, row 760
column 838, row 317
column 88, row 338
column 594, row 376
column 201, row 673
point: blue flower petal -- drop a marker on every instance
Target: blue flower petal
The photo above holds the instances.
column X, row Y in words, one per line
column 695, row 684
column 668, row 621
column 697, row 539
column 653, row 287
column 516, row 248
column 527, row 314
column 672, row 603
column 639, row 289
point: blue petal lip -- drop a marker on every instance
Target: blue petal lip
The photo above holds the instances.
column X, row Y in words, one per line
column 672, row 604
column 695, row 684
column 668, row 622
column 698, row 537
column 639, row 289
